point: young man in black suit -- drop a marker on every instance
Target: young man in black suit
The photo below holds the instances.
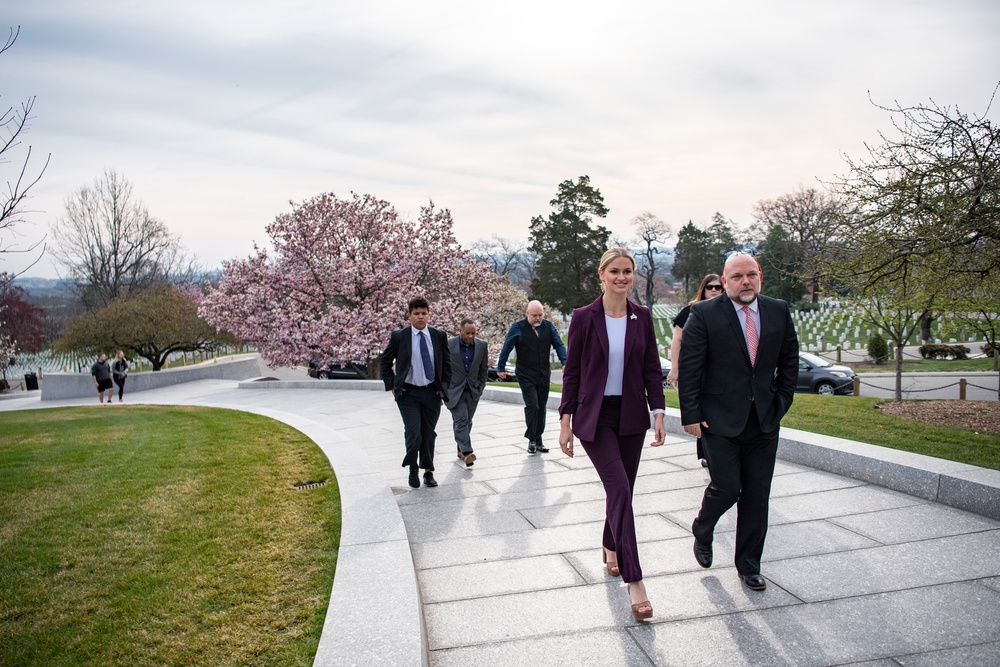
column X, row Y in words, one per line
column 738, row 368
column 422, row 371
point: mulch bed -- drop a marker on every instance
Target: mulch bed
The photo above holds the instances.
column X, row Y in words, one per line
column 977, row 415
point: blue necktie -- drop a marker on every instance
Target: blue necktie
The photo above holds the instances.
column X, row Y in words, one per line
column 425, row 355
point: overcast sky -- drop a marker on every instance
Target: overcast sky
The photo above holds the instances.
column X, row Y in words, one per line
column 221, row 112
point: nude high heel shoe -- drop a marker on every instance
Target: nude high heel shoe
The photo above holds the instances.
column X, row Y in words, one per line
column 613, row 570
column 636, row 613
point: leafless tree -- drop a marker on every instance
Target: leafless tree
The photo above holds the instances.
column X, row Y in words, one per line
column 13, row 123
column 506, row 257
column 111, row 246
column 810, row 218
column 653, row 233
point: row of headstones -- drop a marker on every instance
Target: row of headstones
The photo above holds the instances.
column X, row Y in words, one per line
column 48, row 361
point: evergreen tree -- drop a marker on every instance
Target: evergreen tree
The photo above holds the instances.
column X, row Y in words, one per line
column 700, row 252
column 780, row 257
column 568, row 247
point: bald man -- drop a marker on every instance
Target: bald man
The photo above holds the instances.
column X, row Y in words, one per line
column 739, row 363
column 532, row 339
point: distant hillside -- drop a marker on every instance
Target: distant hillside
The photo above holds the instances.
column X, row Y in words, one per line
column 40, row 288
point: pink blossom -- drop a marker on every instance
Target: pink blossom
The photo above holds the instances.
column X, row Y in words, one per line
column 339, row 277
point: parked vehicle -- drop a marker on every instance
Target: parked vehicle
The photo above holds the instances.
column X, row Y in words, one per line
column 338, row 370
column 491, row 374
column 665, row 369
column 817, row 375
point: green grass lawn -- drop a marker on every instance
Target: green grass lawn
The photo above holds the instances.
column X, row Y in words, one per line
column 162, row 536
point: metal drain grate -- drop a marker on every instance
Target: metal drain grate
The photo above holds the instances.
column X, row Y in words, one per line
column 309, row 485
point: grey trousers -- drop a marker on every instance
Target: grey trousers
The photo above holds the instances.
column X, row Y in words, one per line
column 461, row 417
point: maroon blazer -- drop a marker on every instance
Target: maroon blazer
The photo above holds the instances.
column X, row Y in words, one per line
column 586, row 371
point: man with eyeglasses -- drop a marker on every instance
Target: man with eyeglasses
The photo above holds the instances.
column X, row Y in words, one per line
column 738, row 367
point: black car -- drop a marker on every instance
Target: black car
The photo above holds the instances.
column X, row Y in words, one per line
column 491, row 374
column 338, row 370
column 819, row 376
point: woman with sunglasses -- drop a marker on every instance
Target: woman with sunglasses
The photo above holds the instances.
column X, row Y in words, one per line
column 710, row 287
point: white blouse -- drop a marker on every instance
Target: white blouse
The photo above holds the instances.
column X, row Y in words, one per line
column 616, row 354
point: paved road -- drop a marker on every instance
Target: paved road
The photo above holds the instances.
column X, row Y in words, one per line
column 979, row 386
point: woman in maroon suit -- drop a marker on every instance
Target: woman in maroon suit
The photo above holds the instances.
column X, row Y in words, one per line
column 612, row 374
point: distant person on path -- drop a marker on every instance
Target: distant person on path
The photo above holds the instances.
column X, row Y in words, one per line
column 422, row 371
column 738, row 367
column 532, row 338
column 469, row 366
column 611, row 382
column 711, row 286
column 101, row 372
column 119, row 371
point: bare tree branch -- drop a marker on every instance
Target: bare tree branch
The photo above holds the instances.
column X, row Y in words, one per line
column 13, row 123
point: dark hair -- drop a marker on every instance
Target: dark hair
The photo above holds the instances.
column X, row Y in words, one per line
column 701, row 288
column 417, row 302
column 466, row 321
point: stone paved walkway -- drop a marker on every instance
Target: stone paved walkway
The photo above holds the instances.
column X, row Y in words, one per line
column 508, row 563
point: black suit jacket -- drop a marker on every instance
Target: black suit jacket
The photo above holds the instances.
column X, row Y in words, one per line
column 718, row 385
column 400, row 351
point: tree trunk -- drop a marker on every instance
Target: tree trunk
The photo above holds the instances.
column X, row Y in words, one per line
column 925, row 326
column 898, row 395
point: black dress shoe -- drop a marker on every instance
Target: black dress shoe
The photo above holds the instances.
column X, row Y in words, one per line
column 429, row 479
column 754, row 582
column 531, row 446
column 703, row 553
column 540, row 448
column 414, row 478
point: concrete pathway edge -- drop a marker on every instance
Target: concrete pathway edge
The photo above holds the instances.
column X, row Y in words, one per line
column 370, row 618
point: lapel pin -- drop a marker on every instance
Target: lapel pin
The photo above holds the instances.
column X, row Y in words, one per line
column 632, row 316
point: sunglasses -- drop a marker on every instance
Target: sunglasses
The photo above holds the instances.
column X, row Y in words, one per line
column 744, row 251
column 713, row 287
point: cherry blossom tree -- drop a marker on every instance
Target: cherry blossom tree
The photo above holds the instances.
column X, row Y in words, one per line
column 339, row 278
column 20, row 321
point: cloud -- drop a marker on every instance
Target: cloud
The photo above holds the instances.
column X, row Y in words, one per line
column 220, row 112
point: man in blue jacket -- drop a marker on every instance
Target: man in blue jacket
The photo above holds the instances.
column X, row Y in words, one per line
column 532, row 338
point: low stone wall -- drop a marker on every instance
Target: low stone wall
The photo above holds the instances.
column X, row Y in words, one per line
column 56, row 386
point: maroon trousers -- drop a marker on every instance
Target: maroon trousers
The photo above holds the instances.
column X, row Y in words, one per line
column 616, row 459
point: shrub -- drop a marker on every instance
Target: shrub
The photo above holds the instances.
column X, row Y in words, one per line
column 4, row 385
column 989, row 350
column 944, row 352
column 878, row 350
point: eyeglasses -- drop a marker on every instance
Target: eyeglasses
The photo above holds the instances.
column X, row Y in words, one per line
column 713, row 287
column 745, row 251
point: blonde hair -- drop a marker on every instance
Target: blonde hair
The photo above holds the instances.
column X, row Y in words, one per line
column 611, row 254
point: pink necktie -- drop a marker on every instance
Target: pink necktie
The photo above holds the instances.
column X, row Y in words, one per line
column 751, row 334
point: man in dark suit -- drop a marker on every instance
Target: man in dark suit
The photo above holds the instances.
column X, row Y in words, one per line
column 422, row 370
column 738, row 368
column 532, row 338
column 469, row 365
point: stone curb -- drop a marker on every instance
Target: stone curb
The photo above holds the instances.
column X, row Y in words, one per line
column 372, row 531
